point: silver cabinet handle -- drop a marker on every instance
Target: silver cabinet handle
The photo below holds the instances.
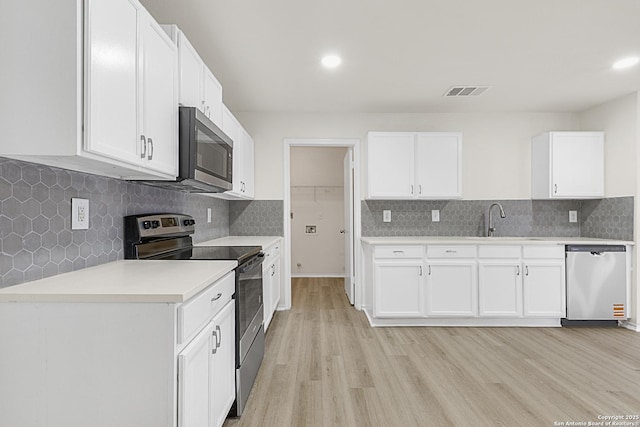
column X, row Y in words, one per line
column 555, row 188
column 517, row 270
column 143, row 147
column 217, row 297
column 150, row 156
column 421, row 270
column 526, row 270
column 215, row 337
column 411, row 188
column 218, row 336
column 451, row 251
column 398, row 252
column 429, row 271
column 420, row 189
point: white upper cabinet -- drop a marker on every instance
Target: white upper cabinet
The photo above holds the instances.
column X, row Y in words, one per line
column 438, row 161
column 159, row 94
column 198, row 86
column 115, row 85
column 414, row 165
column 567, row 165
column 243, row 159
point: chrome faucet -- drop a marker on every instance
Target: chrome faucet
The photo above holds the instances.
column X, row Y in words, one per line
column 491, row 229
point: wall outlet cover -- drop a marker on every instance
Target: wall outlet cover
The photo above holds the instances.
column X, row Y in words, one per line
column 573, row 216
column 310, row 229
column 79, row 214
column 386, row 216
column 435, row 215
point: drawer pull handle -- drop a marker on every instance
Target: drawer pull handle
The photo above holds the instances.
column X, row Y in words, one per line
column 398, row 252
column 217, row 297
column 451, row 251
column 517, row 270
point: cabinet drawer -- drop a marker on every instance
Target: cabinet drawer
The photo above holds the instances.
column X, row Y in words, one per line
column 271, row 252
column 399, row 251
column 196, row 312
column 546, row 252
column 499, row 251
column 451, row 251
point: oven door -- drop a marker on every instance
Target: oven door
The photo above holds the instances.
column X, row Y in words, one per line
column 249, row 309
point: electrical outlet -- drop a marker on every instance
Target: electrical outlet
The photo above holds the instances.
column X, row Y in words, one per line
column 435, row 215
column 79, row 214
column 386, row 216
column 208, row 214
column 573, row 216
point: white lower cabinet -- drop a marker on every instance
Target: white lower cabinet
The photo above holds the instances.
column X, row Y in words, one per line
column 489, row 283
column 126, row 364
column 499, row 288
column 398, row 281
column 206, row 373
column 544, row 288
column 500, row 281
column 452, row 288
column 271, row 282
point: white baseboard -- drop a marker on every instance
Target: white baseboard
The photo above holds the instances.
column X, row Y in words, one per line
column 318, row 275
column 630, row 325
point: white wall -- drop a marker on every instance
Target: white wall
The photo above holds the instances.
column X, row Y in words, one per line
column 317, row 198
column 620, row 120
column 496, row 147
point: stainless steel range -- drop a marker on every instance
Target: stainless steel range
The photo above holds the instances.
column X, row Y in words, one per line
column 167, row 237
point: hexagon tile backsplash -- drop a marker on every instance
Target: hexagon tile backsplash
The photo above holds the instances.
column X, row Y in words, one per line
column 36, row 239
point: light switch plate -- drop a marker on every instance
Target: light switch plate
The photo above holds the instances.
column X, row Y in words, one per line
column 79, row 214
column 435, row 215
column 386, row 216
column 573, row 216
column 208, row 214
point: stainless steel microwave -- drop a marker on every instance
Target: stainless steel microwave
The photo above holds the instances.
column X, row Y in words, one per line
column 205, row 163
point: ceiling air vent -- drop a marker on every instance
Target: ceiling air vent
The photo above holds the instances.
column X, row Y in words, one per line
column 458, row 91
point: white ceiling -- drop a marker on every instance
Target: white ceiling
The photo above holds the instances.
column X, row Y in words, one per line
column 401, row 56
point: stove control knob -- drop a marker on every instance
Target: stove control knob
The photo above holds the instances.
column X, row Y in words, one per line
column 192, row 222
column 155, row 224
column 186, row 222
column 146, row 225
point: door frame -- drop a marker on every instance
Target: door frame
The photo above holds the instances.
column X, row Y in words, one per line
column 354, row 145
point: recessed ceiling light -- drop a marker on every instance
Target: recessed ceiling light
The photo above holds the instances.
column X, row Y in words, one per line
column 626, row 63
column 331, row 61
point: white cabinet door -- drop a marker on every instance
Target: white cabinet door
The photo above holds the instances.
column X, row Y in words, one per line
column 438, row 159
column 191, row 74
column 212, row 95
column 390, row 165
column 275, row 285
column 567, row 165
column 111, row 79
column 544, row 288
column 578, row 164
column 499, row 288
column 248, row 164
column 452, row 288
column 222, row 379
column 398, row 288
column 194, row 380
column 159, row 124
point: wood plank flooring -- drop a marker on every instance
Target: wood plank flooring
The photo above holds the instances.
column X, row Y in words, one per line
column 325, row 366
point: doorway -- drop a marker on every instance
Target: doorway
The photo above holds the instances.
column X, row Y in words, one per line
column 309, row 194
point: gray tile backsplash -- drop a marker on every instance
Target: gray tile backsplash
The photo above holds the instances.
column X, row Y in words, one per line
column 605, row 218
column 36, row 239
column 608, row 218
column 256, row 218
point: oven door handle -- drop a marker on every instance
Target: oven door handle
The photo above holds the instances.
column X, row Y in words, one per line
column 252, row 263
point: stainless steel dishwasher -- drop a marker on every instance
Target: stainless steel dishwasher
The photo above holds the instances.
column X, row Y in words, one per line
column 596, row 282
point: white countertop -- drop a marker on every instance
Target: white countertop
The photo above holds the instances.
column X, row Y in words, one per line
column 434, row 240
column 170, row 281
column 262, row 241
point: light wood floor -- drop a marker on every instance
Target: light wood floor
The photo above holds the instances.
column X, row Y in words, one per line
column 324, row 366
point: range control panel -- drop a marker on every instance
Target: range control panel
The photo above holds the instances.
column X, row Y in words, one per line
column 138, row 228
